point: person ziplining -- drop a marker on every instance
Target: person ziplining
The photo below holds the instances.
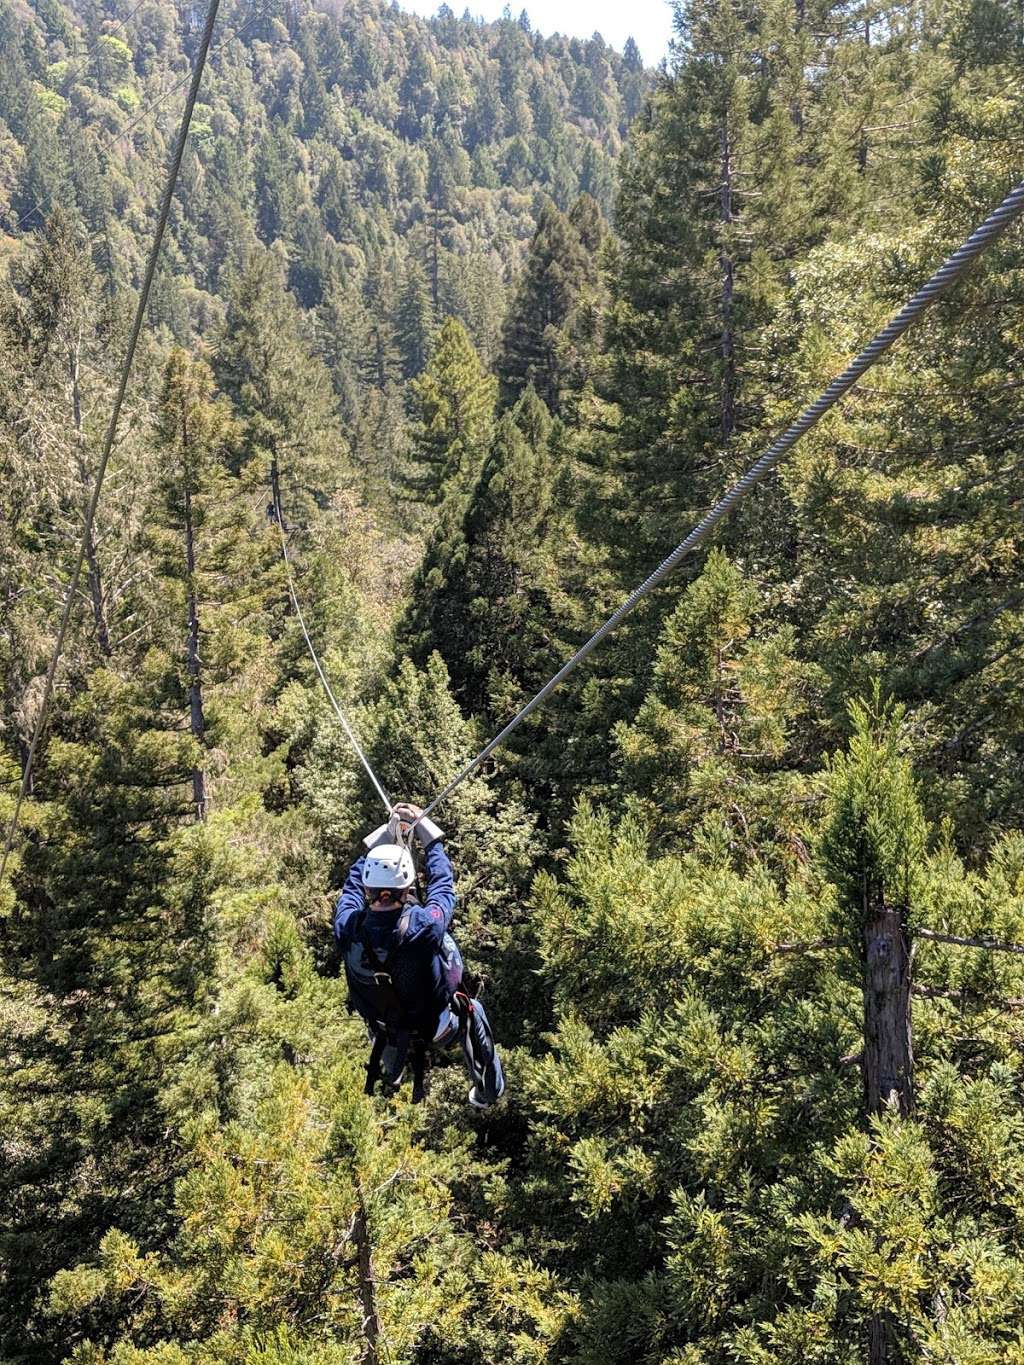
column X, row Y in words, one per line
column 404, row 969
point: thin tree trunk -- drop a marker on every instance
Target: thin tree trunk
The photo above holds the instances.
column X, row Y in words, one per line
column 888, row 1037
column 862, row 149
column 275, row 491
column 881, row 1341
column 434, row 290
column 888, row 1049
column 92, row 563
column 367, row 1286
column 797, row 108
column 195, row 685
column 725, row 263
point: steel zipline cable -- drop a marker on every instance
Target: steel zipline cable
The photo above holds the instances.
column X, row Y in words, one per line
column 108, row 443
column 982, row 238
column 320, row 672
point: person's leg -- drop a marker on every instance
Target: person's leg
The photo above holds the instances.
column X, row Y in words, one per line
column 482, row 1060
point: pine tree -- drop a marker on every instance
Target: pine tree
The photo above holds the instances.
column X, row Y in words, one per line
column 63, row 342
column 280, row 391
column 535, row 336
column 118, row 963
column 455, row 398
column 715, row 749
column 195, row 434
column 414, row 321
column 485, row 592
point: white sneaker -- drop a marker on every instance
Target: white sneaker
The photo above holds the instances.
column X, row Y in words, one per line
column 478, row 1103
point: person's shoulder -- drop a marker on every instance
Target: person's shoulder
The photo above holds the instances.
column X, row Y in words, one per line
column 421, row 917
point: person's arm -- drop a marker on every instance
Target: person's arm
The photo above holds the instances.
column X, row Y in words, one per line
column 350, row 900
column 440, row 884
column 431, row 921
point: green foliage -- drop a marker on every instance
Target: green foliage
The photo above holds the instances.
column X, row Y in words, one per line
column 455, row 398
column 280, row 391
column 383, row 224
column 485, row 592
column 547, row 321
column 716, row 743
column 874, row 839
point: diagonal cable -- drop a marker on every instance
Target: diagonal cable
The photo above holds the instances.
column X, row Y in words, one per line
column 320, row 672
column 126, row 369
column 993, row 228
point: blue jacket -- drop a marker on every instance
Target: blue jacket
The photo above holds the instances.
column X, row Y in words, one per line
column 412, row 936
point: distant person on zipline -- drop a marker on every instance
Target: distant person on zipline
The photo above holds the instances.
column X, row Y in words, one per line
column 404, row 969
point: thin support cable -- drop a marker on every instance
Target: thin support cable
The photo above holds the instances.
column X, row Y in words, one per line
column 993, row 227
column 320, row 672
column 173, row 90
column 105, row 148
column 108, row 443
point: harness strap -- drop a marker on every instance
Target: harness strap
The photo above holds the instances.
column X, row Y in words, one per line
column 402, row 1039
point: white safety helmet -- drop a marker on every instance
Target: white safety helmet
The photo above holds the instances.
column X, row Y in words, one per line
column 388, row 867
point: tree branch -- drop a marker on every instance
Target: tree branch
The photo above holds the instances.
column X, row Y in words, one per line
column 992, row 944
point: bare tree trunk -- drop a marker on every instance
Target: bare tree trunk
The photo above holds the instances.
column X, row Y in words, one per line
column 888, row 1038
column 92, row 563
column 367, row 1286
column 725, row 263
column 888, row 1049
column 881, row 1341
column 195, row 684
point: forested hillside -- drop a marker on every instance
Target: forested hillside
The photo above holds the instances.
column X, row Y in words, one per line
column 493, row 317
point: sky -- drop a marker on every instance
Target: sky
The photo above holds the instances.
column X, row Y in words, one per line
column 649, row 21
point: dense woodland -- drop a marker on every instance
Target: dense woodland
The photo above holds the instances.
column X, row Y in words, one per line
column 500, row 315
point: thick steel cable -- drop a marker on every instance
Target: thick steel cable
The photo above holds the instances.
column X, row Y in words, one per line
column 108, row 443
column 322, row 675
column 982, row 238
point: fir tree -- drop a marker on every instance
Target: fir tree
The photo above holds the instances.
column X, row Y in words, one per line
column 280, row 391
column 485, row 592
column 534, row 338
column 455, row 398
column 195, row 433
column 716, row 743
column 414, row 321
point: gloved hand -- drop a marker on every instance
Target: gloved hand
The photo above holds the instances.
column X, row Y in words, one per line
column 410, row 817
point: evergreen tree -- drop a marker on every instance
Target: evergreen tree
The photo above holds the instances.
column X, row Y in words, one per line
column 63, row 343
column 716, row 745
column 485, row 592
column 455, row 398
column 195, row 433
column 535, row 338
column 414, row 321
column 280, row 391
column 117, row 947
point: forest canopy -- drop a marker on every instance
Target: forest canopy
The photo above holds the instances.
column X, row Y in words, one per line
column 481, row 322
